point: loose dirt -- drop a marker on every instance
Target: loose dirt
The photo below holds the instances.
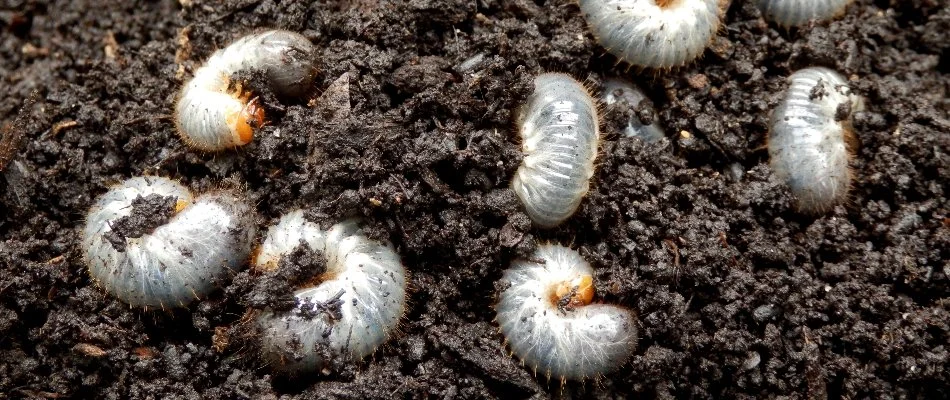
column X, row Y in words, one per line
column 410, row 128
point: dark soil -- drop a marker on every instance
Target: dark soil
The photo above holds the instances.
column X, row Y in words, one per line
column 737, row 295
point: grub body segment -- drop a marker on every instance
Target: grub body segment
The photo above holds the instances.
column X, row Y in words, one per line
column 560, row 137
column 811, row 138
column 789, row 13
column 561, row 336
column 653, row 34
column 354, row 310
column 213, row 113
column 205, row 241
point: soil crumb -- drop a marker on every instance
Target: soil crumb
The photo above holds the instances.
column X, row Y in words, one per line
column 409, row 128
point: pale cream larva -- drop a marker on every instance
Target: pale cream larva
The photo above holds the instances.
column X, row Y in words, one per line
column 354, row 309
column 789, row 13
column 628, row 95
column 653, row 33
column 560, row 136
column 150, row 243
column 812, row 140
column 544, row 311
column 213, row 113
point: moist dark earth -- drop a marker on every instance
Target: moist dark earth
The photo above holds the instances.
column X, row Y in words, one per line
column 736, row 294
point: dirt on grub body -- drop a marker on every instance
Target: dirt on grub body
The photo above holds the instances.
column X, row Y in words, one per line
column 410, row 128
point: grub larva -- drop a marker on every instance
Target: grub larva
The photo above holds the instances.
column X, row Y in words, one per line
column 789, row 13
column 653, row 33
column 213, row 113
column 618, row 90
column 545, row 314
column 354, row 310
column 150, row 243
column 811, row 138
column 560, row 135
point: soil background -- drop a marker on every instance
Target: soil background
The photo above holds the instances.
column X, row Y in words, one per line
column 737, row 296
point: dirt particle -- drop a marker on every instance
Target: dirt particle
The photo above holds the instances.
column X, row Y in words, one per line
column 89, row 350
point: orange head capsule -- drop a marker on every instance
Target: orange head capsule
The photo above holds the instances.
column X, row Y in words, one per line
column 574, row 293
column 262, row 263
column 181, row 205
column 245, row 122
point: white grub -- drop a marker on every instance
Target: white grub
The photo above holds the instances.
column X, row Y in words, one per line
column 471, row 64
column 214, row 113
column 354, row 310
column 545, row 314
column 811, row 138
column 623, row 92
column 653, row 33
column 205, row 240
column 560, row 136
column 789, row 13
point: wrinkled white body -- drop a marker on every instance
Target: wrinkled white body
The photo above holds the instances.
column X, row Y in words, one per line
column 373, row 285
column 641, row 33
column 807, row 146
column 560, row 135
column 801, row 12
column 618, row 90
column 205, row 105
column 184, row 259
column 589, row 341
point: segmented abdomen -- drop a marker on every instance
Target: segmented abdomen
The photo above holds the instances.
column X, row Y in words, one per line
column 212, row 115
column 181, row 260
column 560, row 136
column 647, row 34
column 801, row 12
column 808, row 145
column 350, row 314
column 570, row 344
